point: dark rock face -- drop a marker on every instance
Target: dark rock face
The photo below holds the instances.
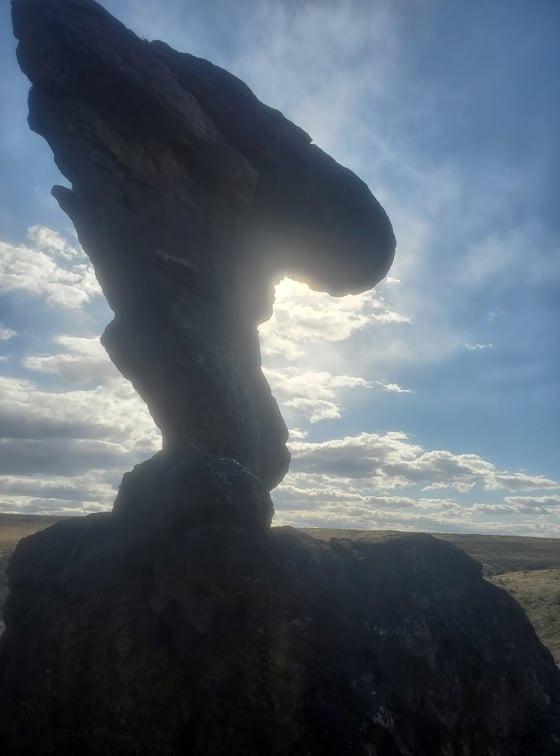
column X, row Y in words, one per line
column 180, row 623
column 218, row 638
column 192, row 200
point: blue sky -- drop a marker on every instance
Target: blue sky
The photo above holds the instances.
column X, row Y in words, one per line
column 432, row 403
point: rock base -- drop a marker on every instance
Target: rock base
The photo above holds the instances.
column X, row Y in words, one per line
column 209, row 635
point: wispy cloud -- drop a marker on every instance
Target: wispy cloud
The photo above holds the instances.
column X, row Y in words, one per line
column 314, row 410
column 48, row 266
column 83, row 361
column 6, row 333
column 393, row 388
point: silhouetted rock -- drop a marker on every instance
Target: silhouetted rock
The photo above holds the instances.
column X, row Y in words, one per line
column 218, row 638
column 180, row 622
column 172, row 491
column 192, row 199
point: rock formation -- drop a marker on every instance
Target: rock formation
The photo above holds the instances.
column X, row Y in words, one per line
column 180, row 622
column 192, row 199
column 217, row 639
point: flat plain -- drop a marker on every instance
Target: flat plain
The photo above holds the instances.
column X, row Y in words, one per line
column 528, row 568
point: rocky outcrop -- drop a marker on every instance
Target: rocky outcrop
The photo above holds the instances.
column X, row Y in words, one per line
column 180, row 622
column 192, row 199
column 206, row 636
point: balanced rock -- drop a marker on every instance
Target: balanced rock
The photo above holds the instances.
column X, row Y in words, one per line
column 192, row 199
column 180, row 622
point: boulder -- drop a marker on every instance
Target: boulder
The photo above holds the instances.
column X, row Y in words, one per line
column 222, row 638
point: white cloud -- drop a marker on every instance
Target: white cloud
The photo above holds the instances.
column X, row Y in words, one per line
column 520, row 482
column 493, row 509
column 92, row 487
column 298, row 434
column 314, row 410
column 53, row 243
column 6, row 333
column 389, row 461
column 324, row 504
column 478, row 347
column 64, row 451
column 108, row 425
column 302, row 316
column 50, row 506
column 49, row 267
column 319, row 385
column 305, row 347
column 308, row 342
column 393, row 388
column 85, row 361
column 533, row 504
column 352, row 483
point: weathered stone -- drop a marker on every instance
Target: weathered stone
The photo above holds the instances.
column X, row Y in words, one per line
column 192, row 199
column 180, row 623
column 172, row 491
column 219, row 638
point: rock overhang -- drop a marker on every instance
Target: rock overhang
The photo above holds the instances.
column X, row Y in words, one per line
column 320, row 219
column 192, row 199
